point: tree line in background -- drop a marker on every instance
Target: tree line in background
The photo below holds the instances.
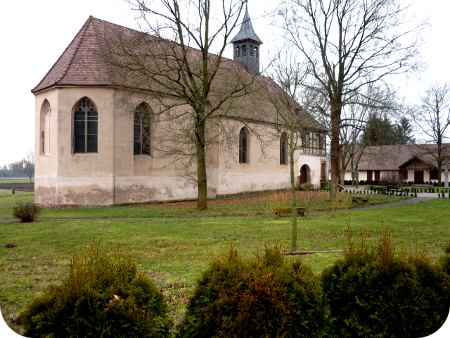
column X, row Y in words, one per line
column 380, row 130
column 22, row 168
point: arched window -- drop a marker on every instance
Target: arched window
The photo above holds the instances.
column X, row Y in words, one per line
column 283, row 149
column 142, row 131
column 45, row 128
column 85, row 136
column 244, row 145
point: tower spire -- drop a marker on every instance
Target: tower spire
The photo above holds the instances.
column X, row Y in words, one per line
column 246, row 45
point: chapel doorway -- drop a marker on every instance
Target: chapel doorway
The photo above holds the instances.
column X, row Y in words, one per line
column 305, row 173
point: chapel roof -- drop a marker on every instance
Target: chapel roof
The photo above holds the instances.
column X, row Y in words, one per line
column 87, row 61
column 81, row 63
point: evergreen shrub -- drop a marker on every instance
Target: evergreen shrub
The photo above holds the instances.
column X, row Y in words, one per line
column 103, row 296
column 374, row 293
column 264, row 297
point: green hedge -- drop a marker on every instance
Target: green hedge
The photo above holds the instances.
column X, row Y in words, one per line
column 264, row 297
column 103, row 296
column 369, row 292
column 374, row 293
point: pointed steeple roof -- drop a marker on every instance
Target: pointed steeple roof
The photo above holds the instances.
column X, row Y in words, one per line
column 246, row 32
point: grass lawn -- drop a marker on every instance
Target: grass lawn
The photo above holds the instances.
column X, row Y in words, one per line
column 177, row 243
column 14, row 180
column 7, row 201
column 254, row 204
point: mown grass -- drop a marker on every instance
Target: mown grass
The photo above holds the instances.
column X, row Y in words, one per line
column 14, row 180
column 8, row 201
column 175, row 250
column 256, row 204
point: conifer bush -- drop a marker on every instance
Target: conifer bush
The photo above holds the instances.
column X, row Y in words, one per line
column 103, row 296
column 264, row 297
column 374, row 293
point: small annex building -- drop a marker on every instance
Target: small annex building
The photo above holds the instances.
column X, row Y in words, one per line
column 414, row 163
column 95, row 146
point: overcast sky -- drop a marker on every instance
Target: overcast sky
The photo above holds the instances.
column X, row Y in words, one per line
column 34, row 33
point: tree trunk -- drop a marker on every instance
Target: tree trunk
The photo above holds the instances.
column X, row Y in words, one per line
column 356, row 178
column 202, row 184
column 439, row 160
column 335, row 148
column 342, row 177
column 439, row 172
column 293, row 193
column 446, row 174
column 343, row 167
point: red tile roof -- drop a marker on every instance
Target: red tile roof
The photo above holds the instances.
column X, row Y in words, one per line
column 85, row 61
column 92, row 58
column 81, row 63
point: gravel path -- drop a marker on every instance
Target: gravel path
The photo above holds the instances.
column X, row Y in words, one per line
column 414, row 200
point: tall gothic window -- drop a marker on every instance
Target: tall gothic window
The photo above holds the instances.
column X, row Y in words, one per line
column 243, row 145
column 142, row 132
column 85, row 136
column 45, row 128
column 283, row 149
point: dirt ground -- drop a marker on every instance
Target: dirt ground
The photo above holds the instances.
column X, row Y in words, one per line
column 17, row 186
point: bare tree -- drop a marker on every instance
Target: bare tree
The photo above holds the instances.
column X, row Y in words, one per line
column 433, row 118
column 28, row 166
column 292, row 119
column 195, row 87
column 355, row 116
column 350, row 139
column 349, row 45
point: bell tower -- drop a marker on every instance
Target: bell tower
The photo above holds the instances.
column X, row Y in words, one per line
column 246, row 46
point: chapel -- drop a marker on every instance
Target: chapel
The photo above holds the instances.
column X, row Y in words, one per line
column 104, row 135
